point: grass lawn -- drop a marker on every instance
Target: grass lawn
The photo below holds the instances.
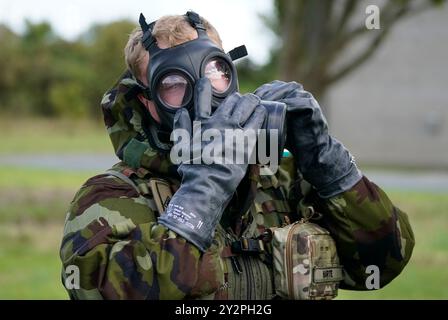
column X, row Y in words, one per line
column 425, row 276
column 37, row 135
column 33, row 204
column 32, row 211
column 30, row 267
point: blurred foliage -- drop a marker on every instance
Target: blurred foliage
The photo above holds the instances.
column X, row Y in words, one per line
column 44, row 75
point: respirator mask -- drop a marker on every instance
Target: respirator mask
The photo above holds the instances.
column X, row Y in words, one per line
column 173, row 72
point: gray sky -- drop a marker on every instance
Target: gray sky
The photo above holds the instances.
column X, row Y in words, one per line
column 236, row 20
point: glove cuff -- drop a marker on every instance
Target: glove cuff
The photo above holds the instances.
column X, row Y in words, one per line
column 201, row 241
column 331, row 170
column 342, row 184
column 193, row 215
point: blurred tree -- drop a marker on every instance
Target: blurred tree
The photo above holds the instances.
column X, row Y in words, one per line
column 105, row 44
column 69, row 91
column 45, row 75
column 38, row 75
column 316, row 35
column 10, row 64
column 27, row 69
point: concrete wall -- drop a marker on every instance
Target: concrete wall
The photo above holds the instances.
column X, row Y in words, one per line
column 394, row 109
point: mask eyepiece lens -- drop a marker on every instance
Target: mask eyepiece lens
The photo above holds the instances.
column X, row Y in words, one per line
column 219, row 73
column 174, row 90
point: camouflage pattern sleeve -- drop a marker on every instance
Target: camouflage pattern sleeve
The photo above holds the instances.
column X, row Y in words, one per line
column 369, row 230
column 112, row 236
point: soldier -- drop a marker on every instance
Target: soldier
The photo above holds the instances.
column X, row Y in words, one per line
column 149, row 229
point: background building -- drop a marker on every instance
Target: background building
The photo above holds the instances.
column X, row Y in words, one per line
column 394, row 109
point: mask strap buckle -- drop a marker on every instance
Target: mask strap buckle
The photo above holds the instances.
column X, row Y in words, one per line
column 195, row 21
column 148, row 40
column 238, row 52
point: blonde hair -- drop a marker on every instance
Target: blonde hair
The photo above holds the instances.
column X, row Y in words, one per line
column 173, row 30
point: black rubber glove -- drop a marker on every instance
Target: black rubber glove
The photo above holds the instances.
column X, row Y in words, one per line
column 196, row 208
column 323, row 161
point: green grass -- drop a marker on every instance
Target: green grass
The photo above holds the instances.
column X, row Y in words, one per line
column 37, row 194
column 34, row 201
column 37, row 178
column 32, row 213
column 30, row 266
column 37, row 135
column 426, row 276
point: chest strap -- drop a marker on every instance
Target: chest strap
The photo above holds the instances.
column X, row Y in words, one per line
column 125, row 178
column 160, row 190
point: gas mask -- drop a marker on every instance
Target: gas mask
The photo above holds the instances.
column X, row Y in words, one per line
column 173, row 72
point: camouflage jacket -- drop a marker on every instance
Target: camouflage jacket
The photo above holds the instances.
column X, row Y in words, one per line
column 111, row 232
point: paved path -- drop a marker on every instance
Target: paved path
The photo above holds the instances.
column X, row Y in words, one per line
column 425, row 180
column 61, row 161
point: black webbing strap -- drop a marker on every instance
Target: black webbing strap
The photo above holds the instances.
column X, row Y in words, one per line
column 247, row 246
column 238, row 52
column 147, row 40
column 195, row 20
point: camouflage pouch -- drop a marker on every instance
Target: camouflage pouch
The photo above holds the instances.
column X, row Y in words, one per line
column 306, row 264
